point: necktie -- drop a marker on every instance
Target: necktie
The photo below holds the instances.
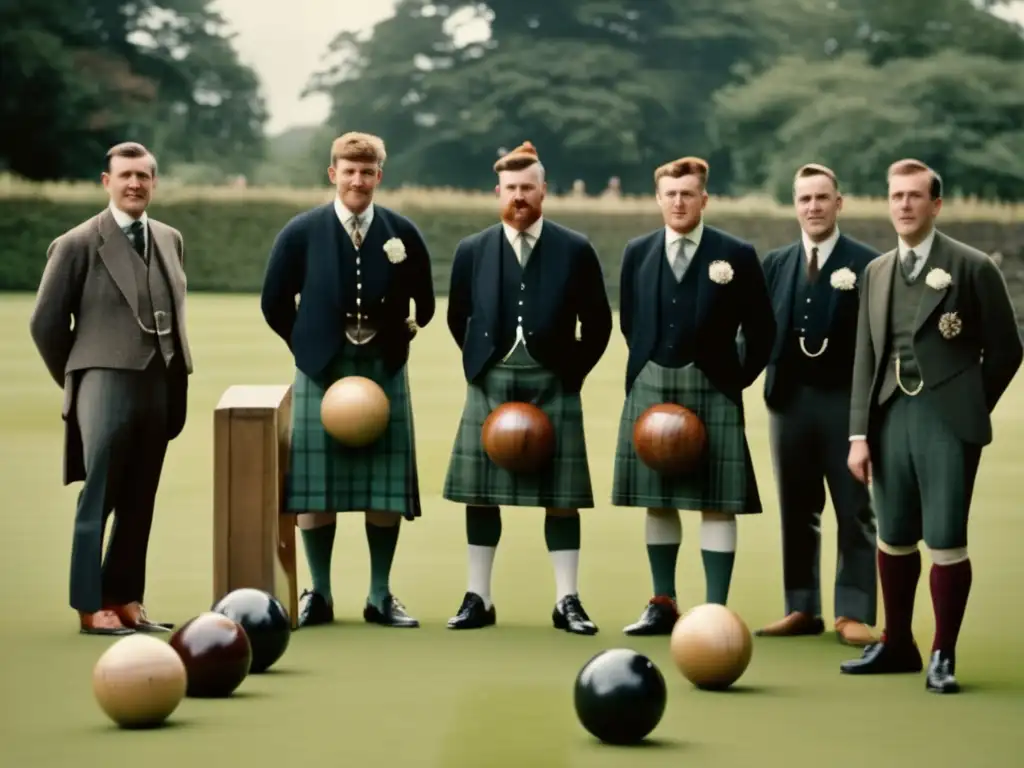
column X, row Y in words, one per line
column 138, row 238
column 524, row 249
column 910, row 262
column 679, row 263
column 813, row 269
column 357, row 233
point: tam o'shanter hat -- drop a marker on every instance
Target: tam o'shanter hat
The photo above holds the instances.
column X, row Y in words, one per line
column 520, row 157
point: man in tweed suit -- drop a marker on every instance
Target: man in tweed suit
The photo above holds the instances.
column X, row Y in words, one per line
column 518, row 289
column 937, row 345
column 687, row 292
column 814, row 286
column 124, row 366
column 355, row 266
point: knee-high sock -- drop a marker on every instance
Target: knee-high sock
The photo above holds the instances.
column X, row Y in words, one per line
column 319, row 546
column 950, row 586
column 562, row 536
column 483, row 532
column 663, row 534
column 382, row 540
column 718, row 552
column 899, row 574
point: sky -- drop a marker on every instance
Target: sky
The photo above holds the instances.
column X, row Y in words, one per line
column 306, row 29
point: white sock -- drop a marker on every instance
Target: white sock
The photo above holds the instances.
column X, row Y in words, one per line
column 566, row 562
column 718, row 535
column 481, row 563
column 663, row 527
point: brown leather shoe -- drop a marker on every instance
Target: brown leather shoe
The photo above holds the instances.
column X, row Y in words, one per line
column 134, row 615
column 796, row 624
column 855, row 633
column 103, row 622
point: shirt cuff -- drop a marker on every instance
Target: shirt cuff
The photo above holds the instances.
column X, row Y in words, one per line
column 857, row 437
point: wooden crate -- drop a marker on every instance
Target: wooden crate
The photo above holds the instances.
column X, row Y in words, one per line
column 253, row 543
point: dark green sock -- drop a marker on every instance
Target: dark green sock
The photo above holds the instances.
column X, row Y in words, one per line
column 561, row 532
column 483, row 526
column 662, row 558
column 383, row 541
column 717, row 574
column 319, row 546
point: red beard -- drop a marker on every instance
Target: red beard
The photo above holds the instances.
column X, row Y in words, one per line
column 521, row 216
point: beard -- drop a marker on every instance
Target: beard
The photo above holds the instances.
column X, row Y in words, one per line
column 520, row 215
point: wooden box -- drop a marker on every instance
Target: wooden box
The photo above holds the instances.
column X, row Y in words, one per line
column 253, row 543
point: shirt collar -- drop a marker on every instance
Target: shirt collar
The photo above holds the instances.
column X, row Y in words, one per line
column 345, row 215
column 922, row 249
column 694, row 235
column 124, row 220
column 533, row 230
column 825, row 247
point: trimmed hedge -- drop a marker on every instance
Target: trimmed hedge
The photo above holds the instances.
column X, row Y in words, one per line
column 228, row 242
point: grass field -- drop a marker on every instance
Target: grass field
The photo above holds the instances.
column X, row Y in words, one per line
column 353, row 695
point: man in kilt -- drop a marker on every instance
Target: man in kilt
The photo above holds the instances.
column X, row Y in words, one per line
column 355, row 266
column 687, row 293
column 815, row 285
column 937, row 346
column 518, row 289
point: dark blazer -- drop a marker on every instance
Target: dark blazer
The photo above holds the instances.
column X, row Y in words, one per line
column 306, row 261
column 89, row 279
column 780, row 268
column 568, row 286
column 965, row 374
column 723, row 311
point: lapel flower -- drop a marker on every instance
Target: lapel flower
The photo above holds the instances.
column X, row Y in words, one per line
column 395, row 250
column 939, row 279
column 843, row 279
column 721, row 272
column 950, row 325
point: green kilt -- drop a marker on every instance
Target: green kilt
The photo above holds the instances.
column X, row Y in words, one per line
column 475, row 480
column 326, row 476
column 724, row 483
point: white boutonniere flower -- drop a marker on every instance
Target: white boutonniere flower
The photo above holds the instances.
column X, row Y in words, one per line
column 939, row 279
column 950, row 325
column 721, row 272
column 844, row 279
column 395, row 250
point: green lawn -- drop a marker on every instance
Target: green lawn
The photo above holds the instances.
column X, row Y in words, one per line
column 352, row 695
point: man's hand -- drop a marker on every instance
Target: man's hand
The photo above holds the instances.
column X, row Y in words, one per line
column 859, row 461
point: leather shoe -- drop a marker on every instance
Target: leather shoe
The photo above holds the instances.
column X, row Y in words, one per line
column 102, row 622
column 390, row 614
column 473, row 614
column 882, row 658
column 134, row 615
column 855, row 633
column 659, row 618
column 315, row 610
column 570, row 616
column 941, row 673
column 796, row 624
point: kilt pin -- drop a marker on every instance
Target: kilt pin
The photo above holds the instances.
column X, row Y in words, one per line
column 513, row 308
column 355, row 277
column 697, row 319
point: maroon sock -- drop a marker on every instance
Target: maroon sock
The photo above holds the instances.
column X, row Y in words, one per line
column 951, row 584
column 899, row 575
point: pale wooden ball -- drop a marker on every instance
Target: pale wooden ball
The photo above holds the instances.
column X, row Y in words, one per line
column 355, row 411
column 711, row 646
column 139, row 681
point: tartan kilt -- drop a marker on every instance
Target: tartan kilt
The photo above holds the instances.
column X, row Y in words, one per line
column 474, row 479
column 724, row 483
column 326, row 476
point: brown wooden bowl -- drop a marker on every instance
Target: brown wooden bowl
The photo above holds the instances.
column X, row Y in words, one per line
column 519, row 437
column 670, row 439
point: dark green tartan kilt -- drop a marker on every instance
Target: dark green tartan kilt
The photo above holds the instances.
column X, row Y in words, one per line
column 724, row 483
column 474, row 479
column 326, row 476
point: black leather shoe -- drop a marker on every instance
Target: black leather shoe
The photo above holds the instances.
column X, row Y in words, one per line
column 884, row 659
column 473, row 614
column 570, row 616
column 659, row 618
column 941, row 671
column 315, row 610
column 391, row 614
